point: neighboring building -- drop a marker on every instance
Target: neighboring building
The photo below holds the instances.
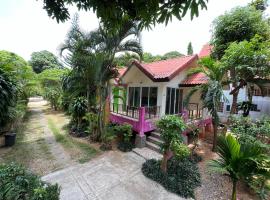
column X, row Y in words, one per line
column 262, row 103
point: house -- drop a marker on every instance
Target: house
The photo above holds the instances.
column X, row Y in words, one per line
column 148, row 91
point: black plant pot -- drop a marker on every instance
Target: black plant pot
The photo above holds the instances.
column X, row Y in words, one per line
column 10, row 139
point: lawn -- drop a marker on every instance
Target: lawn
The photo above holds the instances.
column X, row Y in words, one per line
column 79, row 149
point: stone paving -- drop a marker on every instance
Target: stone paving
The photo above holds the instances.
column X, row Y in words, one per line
column 112, row 176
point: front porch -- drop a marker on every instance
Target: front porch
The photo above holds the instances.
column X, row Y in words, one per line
column 143, row 119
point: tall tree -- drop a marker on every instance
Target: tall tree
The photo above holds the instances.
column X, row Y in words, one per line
column 113, row 12
column 42, row 60
column 212, row 91
column 231, row 27
column 92, row 54
column 251, row 63
column 189, row 49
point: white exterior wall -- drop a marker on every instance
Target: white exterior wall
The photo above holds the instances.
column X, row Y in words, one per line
column 136, row 78
column 263, row 104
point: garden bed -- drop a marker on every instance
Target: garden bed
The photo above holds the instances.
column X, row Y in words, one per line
column 181, row 178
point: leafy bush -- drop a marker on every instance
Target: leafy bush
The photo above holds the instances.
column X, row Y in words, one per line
column 107, row 138
column 92, row 120
column 181, row 178
column 248, row 131
column 79, row 108
column 171, row 128
column 125, row 133
column 18, row 183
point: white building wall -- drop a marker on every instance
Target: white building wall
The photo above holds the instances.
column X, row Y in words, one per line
column 263, row 105
column 136, row 78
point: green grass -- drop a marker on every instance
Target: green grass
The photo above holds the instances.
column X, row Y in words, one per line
column 79, row 150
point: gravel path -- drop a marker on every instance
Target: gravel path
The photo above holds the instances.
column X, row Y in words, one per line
column 216, row 186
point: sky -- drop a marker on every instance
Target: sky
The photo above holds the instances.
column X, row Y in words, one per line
column 25, row 27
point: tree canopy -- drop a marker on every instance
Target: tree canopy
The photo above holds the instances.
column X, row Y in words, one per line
column 111, row 12
column 42, row 60
column 241, row 23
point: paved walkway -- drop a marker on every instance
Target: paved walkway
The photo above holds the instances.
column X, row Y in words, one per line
column 112, row 176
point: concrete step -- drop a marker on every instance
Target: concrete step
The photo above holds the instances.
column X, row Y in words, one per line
column 154, row 140
column 153, row 146
column 156, row 135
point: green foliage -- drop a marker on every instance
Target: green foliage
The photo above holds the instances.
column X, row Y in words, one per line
column 79, row 109
column 171, row 54
column 107, row 138
column 212, row 91
column 180, row 150
column 126, row 59
column 250, row 59
column 248, row 131
column 241, row 23
column 240, row 161
column 111, row 13
column 189, row 49
column 42, row 60
column 92, row 120
column 51, row 83
column 8, row 98
column 22, row 75
column 181, row 178
column 124, row 132
column 91, row 57
column 171, row 128
column 259, row 4
column 18, row 183
column 148, row 57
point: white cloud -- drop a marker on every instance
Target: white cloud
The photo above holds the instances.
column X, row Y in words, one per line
column 25, row 27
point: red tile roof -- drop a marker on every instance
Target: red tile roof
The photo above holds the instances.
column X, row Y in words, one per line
column 206, row 50
column 165, row 70
column 195, row 79
column 122, row 70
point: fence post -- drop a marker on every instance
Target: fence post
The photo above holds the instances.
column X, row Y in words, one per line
column 141, row 138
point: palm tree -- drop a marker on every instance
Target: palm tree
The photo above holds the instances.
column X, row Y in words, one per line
column 92, row 57
column 212, row 91
column 239, row 161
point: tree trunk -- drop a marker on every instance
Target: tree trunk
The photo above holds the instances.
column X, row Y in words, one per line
column 215, row 136
column 234, row 190
column 234, row 101
column 164, row 161
column 88, row 97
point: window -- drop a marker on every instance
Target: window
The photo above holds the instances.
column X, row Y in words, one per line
column 142, row 96
column 221, row 107
column 134, row 96
column 173, row 101
column 228, row 108
column 153, row 96
column 145, row 94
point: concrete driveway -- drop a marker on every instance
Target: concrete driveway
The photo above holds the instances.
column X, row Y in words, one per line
column 114, row 175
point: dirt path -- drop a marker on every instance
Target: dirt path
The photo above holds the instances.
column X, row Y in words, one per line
column 36, row 147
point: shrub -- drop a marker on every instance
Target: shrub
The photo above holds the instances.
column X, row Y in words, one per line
column 18, row 183
column 171, row 128
column 125, row 133
column 92, row 120
column 107, row 138
column 181, row 178
column 78, row 109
